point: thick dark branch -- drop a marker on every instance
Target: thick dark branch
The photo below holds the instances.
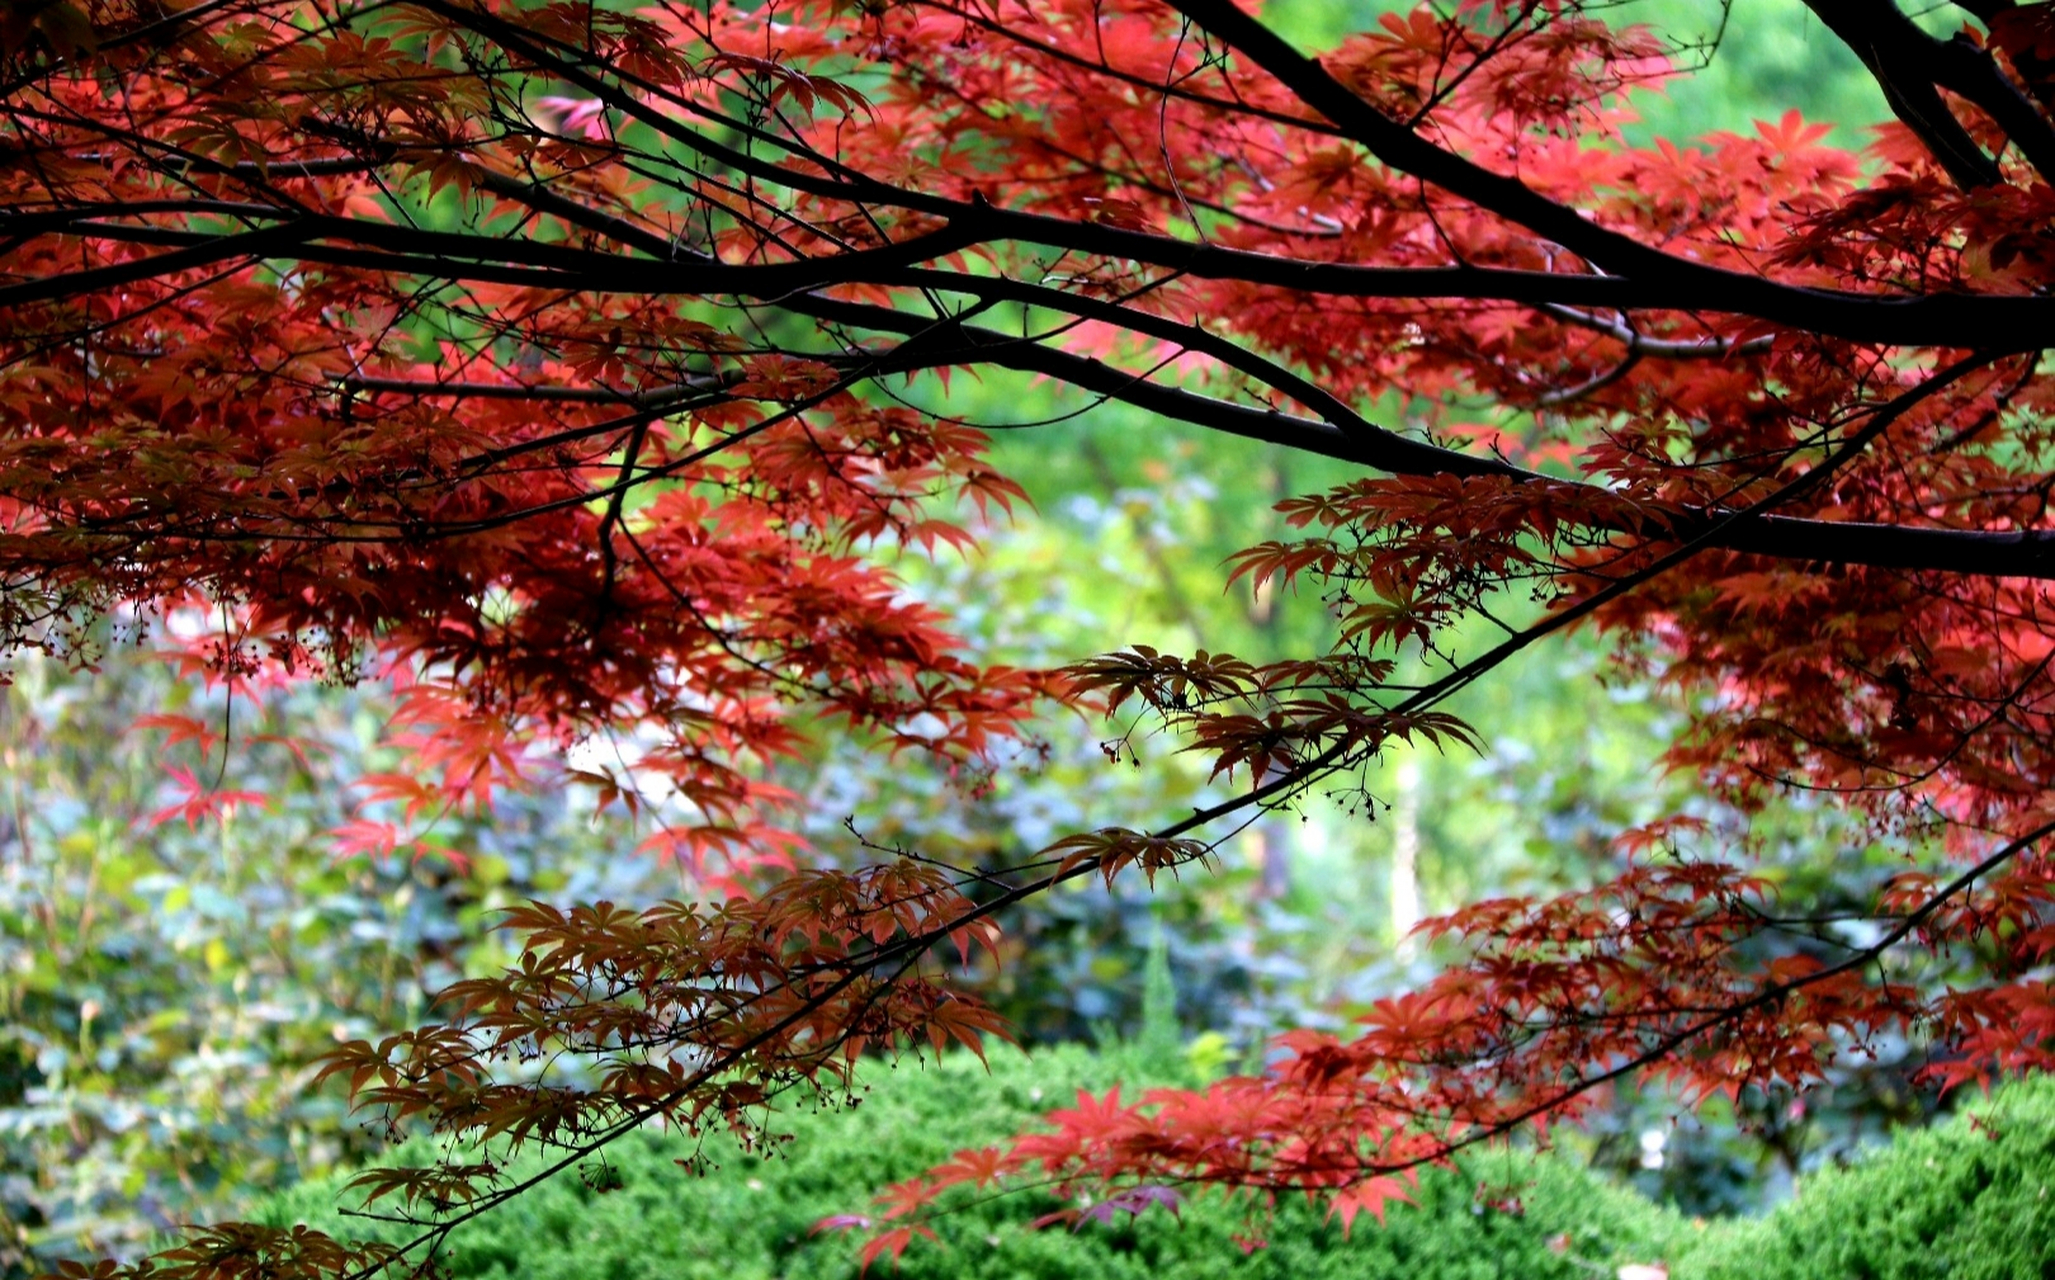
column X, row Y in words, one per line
column 1888, row 44
column 1962, row 68
column 1642, row 278
column 459, row 256
column 2022, row 554
column 1657, row 280
column 1908, row 64
column 1616, row 254
column 1396, row 145
column 1958, row 321
column 2002, row 324
column 2036, row 70
column 34, row 220
column 268, row 242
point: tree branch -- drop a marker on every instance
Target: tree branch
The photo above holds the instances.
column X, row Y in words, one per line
column 1975, row 553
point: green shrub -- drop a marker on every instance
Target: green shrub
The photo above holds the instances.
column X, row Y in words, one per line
column 1971, row 1199
column 748, row 1218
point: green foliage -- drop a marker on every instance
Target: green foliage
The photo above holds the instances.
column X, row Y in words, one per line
column 1972, row 1199
column 1968, row 1200
column 1750, row 60
column 1742, row 61
column 164, row 987
column 1511, row 1214
column 1127, row 545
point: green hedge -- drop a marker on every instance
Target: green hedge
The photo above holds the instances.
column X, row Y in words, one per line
column 1971, row 1199
column 748, row 1219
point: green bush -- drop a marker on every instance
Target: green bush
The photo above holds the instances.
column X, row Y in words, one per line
column 163, row 986
column 1500, row 1214
column 1967, row 1200
column 1972, row 1199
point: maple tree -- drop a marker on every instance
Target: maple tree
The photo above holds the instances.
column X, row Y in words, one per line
column 548, row 360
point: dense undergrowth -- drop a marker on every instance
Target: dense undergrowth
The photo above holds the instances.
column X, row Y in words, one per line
column 1969, row 1199
column 643, row 1217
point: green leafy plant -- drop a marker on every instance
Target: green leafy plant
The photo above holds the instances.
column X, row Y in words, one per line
column 1972, row 1199
column 1967, row 1199
column 165, row 986
column 730, row 1215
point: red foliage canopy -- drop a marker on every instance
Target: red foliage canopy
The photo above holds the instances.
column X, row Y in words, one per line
column 520, row 351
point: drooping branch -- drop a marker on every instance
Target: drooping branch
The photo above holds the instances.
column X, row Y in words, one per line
column 1908, row 64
